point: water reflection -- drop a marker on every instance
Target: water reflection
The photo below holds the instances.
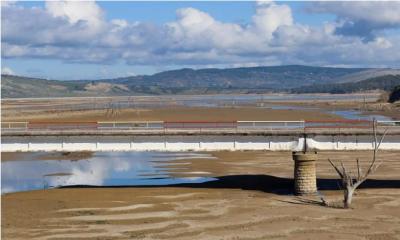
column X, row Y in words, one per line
column 102, row 169
column 357, row 115
column 347, row 114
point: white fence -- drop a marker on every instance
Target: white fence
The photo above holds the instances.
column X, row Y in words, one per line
column 188, row 142
column 188, row 125
column 129, row 125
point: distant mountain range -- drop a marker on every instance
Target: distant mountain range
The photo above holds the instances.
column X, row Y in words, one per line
column 202, row 81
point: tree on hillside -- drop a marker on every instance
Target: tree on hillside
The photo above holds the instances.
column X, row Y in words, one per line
column 395, row 95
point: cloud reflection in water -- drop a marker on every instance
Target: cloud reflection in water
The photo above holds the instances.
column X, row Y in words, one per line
column 103, row 169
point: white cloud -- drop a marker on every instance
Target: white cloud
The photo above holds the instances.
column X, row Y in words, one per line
column 361, row 18
column 377, row 12
column 13, row 50
column 78, row 32
column 270, row 16
column 7, row 71
column 195, row 30
column 120, row 23
column 75, row 11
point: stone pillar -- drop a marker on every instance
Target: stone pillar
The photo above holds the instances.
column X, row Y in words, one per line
column 305, row 178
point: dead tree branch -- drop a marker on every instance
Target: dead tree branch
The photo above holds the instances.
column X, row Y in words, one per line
column 349, row 182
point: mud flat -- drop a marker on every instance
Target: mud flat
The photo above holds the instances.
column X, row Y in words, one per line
column 250, row 200
column 171, row 114
column 72, row 156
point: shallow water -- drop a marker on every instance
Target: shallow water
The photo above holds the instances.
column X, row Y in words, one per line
column 357, row 115
column 102, row 169
column 243, row 99
column 347, row 114
column 217, row 100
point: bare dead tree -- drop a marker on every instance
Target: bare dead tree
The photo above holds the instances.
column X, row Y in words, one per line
column 350, row 182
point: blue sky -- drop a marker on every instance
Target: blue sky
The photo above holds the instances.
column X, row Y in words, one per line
column 91, row 40
column 161, row 12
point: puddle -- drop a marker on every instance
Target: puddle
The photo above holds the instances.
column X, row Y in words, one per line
column 102, row 169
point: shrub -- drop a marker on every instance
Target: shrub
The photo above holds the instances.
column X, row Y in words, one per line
column 395, row 95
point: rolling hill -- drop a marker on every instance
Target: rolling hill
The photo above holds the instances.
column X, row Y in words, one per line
column 190, row 81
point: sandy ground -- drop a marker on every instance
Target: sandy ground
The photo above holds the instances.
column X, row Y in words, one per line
column 72, row 156
column 251, row 200
column 172, row 114
column 166, row 108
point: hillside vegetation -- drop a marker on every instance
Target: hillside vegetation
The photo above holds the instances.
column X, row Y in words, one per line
column 203, row 81
column 22, row 87
column 387, row 83
column 395, row 95
column 251, row 78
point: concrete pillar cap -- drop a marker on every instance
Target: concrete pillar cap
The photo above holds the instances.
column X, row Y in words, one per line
column 305, row 156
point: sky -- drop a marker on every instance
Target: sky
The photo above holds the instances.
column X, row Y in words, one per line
column 71, row 40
